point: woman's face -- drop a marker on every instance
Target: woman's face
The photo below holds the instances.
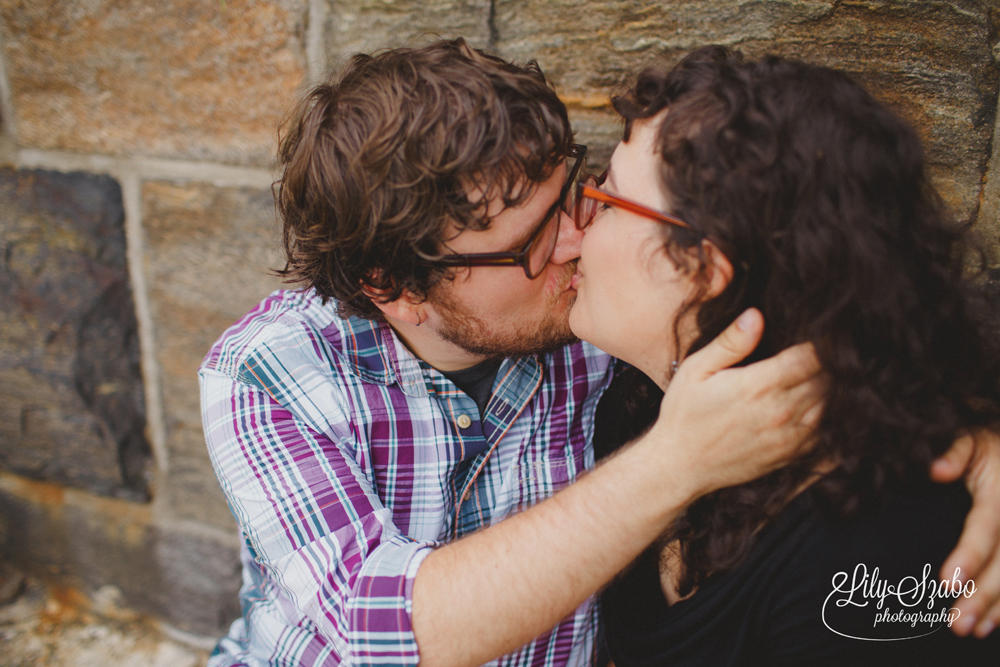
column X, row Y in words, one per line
column 629, row 291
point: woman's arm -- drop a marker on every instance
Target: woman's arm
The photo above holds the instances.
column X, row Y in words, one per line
column 484, row 595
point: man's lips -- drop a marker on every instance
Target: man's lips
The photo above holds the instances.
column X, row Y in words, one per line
column 566, row 277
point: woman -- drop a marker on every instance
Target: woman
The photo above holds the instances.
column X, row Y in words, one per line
column 786, row 187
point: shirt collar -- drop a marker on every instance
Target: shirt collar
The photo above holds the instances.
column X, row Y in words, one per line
column 375, row 354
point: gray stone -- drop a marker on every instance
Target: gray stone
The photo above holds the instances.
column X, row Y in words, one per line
column 71, row 396
column 87, row 543
column 363, row 26
column 27, row 603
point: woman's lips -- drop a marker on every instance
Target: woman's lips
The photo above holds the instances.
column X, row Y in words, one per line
column 575, row 280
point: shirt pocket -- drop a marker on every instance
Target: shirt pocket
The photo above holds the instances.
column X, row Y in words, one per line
column 542, row 474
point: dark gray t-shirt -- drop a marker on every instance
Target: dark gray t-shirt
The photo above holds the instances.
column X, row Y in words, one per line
column 477, row 381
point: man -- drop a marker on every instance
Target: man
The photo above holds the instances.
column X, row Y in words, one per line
column 426, row 387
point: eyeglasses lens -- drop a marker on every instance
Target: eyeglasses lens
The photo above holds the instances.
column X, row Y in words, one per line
column 541, row 250
column 585, row 208
column 545, row 243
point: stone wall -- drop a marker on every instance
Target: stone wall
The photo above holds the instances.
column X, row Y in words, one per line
column 136, row 141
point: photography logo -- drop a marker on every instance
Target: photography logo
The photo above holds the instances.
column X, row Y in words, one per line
column 863, row 605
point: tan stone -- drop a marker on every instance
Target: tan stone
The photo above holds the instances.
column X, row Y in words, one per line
column 207, row 79
column 600, row 129
column 930, row 60
column 209, row 251
column 363, row 26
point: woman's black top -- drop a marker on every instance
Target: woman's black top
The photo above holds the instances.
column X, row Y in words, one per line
column 780, row 606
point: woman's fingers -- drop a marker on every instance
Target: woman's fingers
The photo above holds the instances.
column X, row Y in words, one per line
column 954, row 462
column 977, row 554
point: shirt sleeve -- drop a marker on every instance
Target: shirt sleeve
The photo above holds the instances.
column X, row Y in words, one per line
column 312, row 519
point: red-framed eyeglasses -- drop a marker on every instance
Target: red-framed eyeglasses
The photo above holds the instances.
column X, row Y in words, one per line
column 588, row 196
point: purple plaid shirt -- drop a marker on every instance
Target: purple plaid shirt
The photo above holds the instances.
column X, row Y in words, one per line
column 346, row 459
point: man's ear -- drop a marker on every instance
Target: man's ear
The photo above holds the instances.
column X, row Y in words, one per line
column 718, row 269
column 407, row 308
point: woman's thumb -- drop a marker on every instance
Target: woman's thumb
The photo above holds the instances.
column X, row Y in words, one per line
column 730, row 347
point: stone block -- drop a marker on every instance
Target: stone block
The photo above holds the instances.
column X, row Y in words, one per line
column 932, row 61
column 209, row 251
column 363, row 26
column 86, row 542
column 987, row 226
column 183, row 78
column 71, row 397
column 600, row 130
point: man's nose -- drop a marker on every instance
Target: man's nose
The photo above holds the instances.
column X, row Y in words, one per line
column 568, row 244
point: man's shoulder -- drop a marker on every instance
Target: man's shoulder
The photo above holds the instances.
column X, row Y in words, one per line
column 284, row 320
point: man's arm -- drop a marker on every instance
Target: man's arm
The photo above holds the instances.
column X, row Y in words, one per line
column 485, row 595
column 977, row 554
column 313, row 521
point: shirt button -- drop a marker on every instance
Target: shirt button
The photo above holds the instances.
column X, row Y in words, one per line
column 464, row 421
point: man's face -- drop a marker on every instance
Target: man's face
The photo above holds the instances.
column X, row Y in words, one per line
column 498, row 311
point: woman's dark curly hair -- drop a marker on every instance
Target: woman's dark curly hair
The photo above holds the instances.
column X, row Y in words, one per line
column 818, row 196
column 379, row 163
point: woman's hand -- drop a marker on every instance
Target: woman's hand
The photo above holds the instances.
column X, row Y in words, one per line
column 745, row 421
column 977, row 554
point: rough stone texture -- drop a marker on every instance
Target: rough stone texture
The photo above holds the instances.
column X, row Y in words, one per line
column 90, row 643
column 931, row 60
column 209, row 251
column 87, row 542
column 207, row 79
column 987, row 226
column 71, row 397
column 363, row 26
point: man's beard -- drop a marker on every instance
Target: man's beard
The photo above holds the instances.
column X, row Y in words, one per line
column 472, row 334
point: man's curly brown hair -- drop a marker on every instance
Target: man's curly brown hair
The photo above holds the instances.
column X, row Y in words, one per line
column 379, row 163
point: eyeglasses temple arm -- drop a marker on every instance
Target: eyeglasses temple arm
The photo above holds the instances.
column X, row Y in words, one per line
column 639, row 209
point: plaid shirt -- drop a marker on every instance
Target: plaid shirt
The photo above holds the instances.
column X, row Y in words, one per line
column 345, row 461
